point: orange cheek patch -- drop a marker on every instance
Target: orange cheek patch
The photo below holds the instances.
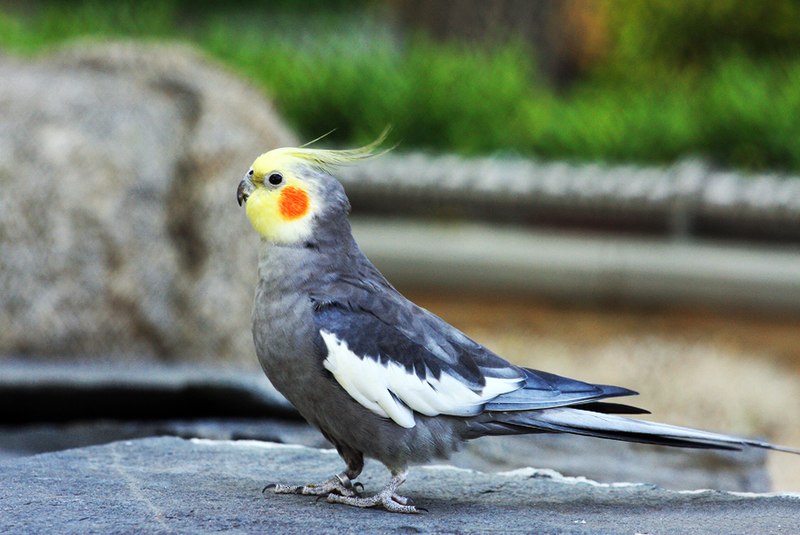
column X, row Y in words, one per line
column 293, row 202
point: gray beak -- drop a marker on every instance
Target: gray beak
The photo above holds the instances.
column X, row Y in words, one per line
column 244, row 190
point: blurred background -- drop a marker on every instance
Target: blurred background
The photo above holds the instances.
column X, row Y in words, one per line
column 598, row 188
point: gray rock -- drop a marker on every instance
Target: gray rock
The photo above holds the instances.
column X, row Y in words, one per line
column 598, row 460
column 608, row 461
column 604, row 461
column 35, row 438
column 119, row 232
column 80, row 391
column 55, row 406
column 168, row 485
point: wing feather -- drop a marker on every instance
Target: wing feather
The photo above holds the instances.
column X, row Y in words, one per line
column 397, row 359
column 387, row 388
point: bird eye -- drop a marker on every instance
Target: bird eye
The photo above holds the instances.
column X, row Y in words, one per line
column 275, row 178
column 250, row 172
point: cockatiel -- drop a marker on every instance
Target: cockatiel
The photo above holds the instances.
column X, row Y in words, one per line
column 380, row 376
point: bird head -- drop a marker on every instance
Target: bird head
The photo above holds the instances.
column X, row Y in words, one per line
column 288, row 191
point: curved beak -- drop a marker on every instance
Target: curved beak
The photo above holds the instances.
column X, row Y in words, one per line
column 244, row 190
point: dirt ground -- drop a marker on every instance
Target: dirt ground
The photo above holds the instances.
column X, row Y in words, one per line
column 734, row 372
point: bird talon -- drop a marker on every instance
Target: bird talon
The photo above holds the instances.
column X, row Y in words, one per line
column 387, row 498
column 340, row 486
column 402, row 500
column 344, row 480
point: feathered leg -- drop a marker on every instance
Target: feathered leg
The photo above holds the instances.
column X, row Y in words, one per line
column 341, row 484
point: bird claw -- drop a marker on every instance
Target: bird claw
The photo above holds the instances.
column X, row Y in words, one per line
column 402, row 500
column 387, row 498
column 337, row 485
column 340, row 489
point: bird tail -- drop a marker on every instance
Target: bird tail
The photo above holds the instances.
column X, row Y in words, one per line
column 610, row 426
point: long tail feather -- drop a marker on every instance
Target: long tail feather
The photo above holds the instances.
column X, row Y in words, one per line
column 595, row 424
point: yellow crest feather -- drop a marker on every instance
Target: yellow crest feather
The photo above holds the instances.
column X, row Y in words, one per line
column 331, row 158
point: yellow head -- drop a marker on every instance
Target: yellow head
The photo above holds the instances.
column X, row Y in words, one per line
column 287, row 190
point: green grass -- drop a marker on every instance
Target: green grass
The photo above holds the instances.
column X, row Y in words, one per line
column 350, row 73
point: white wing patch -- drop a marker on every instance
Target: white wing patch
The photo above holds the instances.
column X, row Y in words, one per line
column 390, row 391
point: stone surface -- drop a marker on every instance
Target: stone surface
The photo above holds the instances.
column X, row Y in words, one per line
column 168, row 485
column 119, row 230
column 602, row 461
column 608, row 461
column 80, row 391
column 53, row 406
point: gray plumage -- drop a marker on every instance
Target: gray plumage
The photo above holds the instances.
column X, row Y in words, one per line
column 323, row 288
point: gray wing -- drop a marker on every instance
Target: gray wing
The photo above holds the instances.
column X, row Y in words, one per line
column 398, row 359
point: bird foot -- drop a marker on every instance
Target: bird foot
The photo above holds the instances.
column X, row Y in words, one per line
column 338, row 485
column 388, row 498
column 390, row 501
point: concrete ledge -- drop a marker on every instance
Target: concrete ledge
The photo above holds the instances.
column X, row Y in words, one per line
column 688, row 198
column 169, row 485
column 581, row 268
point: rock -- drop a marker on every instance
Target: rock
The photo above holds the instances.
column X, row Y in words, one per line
column 82, row 391
column 603, row 461
column 119, row 230
column 45, row 437
column 178, row 486
column 69, row 405
column 608, row 461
